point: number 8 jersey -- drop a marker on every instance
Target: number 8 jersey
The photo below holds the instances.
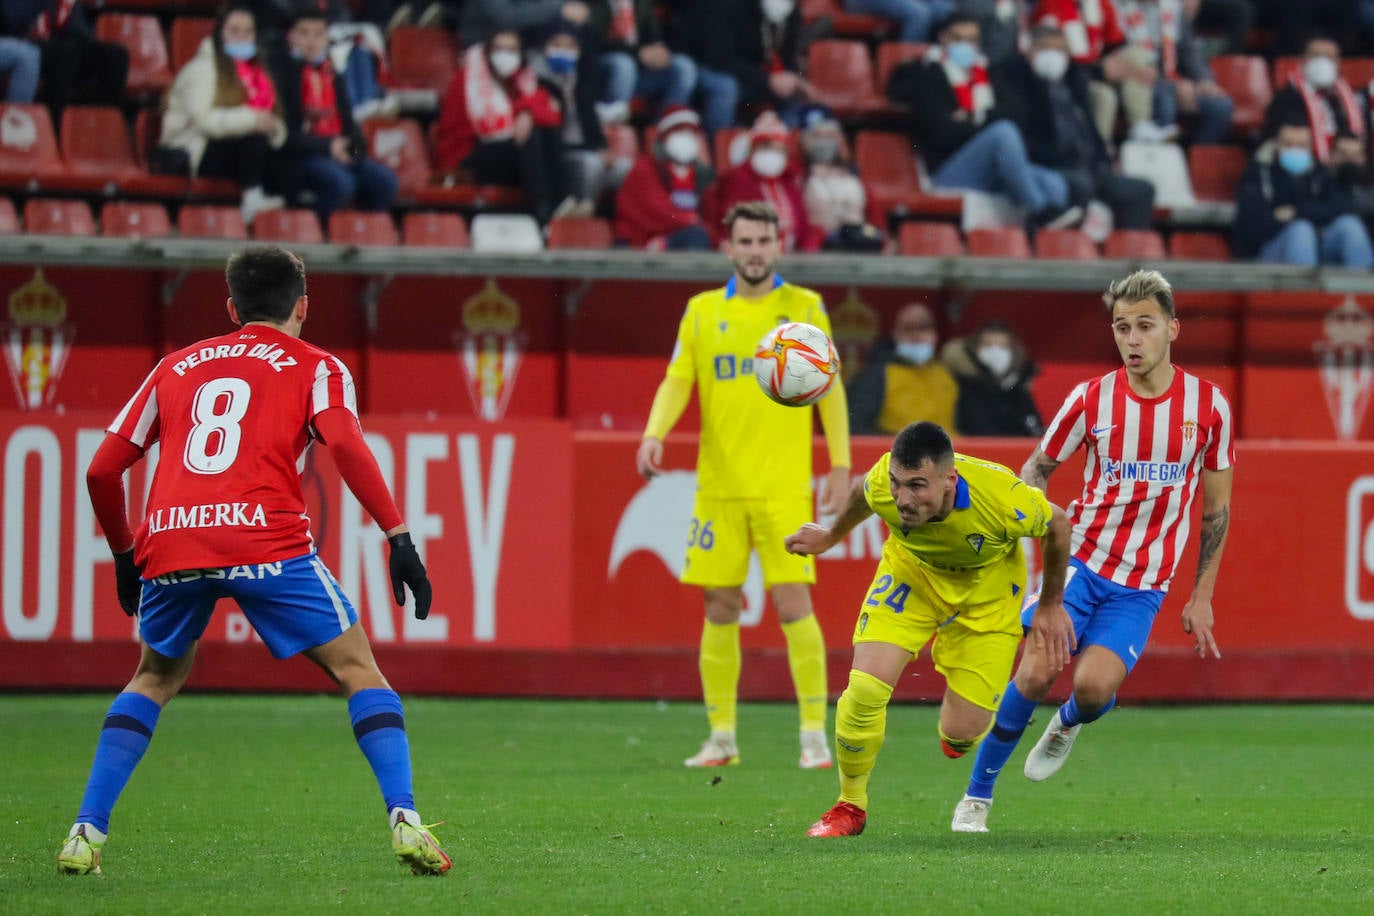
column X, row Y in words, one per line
column 234, row 415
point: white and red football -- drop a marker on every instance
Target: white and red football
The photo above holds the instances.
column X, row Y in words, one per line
column 796, row 364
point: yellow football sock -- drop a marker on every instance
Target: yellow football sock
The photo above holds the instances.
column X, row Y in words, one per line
column 720, row 673
column 860, row 723
column 806, row 656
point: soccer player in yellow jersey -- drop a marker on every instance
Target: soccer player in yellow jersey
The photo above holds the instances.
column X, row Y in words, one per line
column 753, row 477
column 953, row 570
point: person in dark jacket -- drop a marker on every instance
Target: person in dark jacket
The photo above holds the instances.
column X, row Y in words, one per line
column 1046, row 94
column 1291, row 210
column 480, row 20
column 324, row 148
column 994, row 376
column 570, row 75
column 634, row 60
column 75, row 65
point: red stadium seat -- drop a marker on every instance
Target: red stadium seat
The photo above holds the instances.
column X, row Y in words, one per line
column 300, row 226
column 356, row 227
column 1064, row 245
column 187, row 34
column 400, row 146
column 422, row 58
column 1358, row 71
column 95, row 143
column 48, row 216
column 1216, row 171
column 849, row 25
column 9, row 220
column 201, row 222
column 887, row 163
column 125, row 219
column 435, row 230
column 842, row 74
column 891, row 55
column 930, row 240
column 579, row 232
column 148, row 59
column 1003, row 242
column 1199, row 246
column 1285, row 68
column 28, row 145
column 1143, row 244
column 1246, row 80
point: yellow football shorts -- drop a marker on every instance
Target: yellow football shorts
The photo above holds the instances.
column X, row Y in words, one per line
column 723, row 530
column 973, row 648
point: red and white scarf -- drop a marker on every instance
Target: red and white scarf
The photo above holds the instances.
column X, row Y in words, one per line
column 489, row 104
column 49, row 24
column 258, row 91
column 971, row 87
column 1163, row 46
column 1081, row 21
column 775, row 192
column 318, row 102
column 623, row 26
column 1320, row 116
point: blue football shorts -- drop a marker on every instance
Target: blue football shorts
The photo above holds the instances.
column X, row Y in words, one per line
column 293, row 605
column 1106, row 614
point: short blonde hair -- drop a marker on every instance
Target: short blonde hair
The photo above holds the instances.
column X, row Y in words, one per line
column 1139, row 286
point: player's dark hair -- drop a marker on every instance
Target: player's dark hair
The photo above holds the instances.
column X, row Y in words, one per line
column 265, row 281
column 1139, row 286
column 758, row 211
column 922, row 442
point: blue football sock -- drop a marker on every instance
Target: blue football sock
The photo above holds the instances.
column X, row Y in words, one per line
column 1013, row 714
column 1071, row 715
column 128, row 728
column 380, row 727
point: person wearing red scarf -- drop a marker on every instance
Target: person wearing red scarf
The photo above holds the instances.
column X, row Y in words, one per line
column 773, row 175
column 324, row 148
column 659, row 205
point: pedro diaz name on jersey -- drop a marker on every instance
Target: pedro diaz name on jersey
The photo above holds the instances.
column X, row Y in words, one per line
column 272, row 355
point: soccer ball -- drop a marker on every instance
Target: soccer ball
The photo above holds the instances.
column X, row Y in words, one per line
column 796, row 364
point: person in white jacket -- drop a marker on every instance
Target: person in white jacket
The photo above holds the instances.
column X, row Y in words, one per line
column 223, row 111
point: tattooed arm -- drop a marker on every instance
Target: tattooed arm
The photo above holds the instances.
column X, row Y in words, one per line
column 1038, row 468
column 1216, row 521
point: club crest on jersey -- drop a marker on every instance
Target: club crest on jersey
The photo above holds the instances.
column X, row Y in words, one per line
column 36, row 341
column 1189, row 430
column 490, row 347
column 976, row 542
column 1345, row 362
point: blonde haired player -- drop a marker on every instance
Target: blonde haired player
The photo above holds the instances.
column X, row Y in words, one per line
column 753, row 477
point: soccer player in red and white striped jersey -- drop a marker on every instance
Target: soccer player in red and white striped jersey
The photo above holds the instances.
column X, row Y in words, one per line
column 1152, row 432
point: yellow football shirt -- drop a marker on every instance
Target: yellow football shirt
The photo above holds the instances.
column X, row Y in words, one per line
column 974, row 554
column 751, row 448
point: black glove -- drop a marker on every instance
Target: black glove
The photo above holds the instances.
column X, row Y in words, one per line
column 406, row 569
column 128, row 581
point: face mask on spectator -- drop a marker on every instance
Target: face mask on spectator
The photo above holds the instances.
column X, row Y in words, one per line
column 778, row 10
column 1050, row 64
column 962, row 54
column 1320, row 71
column 996, row 357
column 241, row 50
column 682, row 146
column 769, row 163
column 505, row 63
column 562, row 61
column 919, row 352
column 1295, row 161
column 822, row 149
column 312, row 62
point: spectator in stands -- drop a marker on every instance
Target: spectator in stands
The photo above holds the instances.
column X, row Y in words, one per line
column 223, row 113
column 275, row 18
column 500, row 125
column 837, row 203
column 20, row 60
column 324, row 147
column 1001, row 23
column 482, row 19
column 1293, row 21
column 1162, row 32
column 589, row 166
column 746, row 51
column 1290, row 210
column 994, row 376
column 1317, row 95
column 916, row 19
column 635, row 61
column 1231, row 18
column 966, row 141
column 660, row 204
column 770, row 173
column 901, row 381
column 1046, row 95
column 74, row 65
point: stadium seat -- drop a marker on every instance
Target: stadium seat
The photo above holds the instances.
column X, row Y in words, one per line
column 929, row 240
column 842, row 74
column 1358, row 71
column 1216, row 171
column 1064, row 245
column 149, row 72
column 95, row 144
column 887, row 164
column 1162, row 165
column 49, row 216
column 506, row 233
column 435, row 230
column 891, row 55
column 579, row 232
column 356, row 227
column 1006, row 242
column 28, row 146
column 1285, row 68
column 9, row 219
column 125, row 219
column 203, row 222
column 1246, row 80
column 422, row 58
column 1199, row 246
column 400, row 146
column 1140, row 244
column 300, row 226
column 849, row 25
column 187, row 34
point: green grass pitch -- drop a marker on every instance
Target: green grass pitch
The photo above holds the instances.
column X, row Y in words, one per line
column 264, row 805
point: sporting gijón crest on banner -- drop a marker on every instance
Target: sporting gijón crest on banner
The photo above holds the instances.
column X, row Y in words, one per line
column 36, row 341
column 490, row 347
column 1345, row 360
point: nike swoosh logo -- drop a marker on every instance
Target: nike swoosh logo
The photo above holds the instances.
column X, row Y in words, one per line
column 991, row 772
column 1134, row 654
column 1099, row 430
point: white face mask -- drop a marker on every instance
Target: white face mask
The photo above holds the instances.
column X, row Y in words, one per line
column 1050, row 64
column 778, row 10
column 917, row 352
column 505, row 63
column 996, row 357
column 682, row 146
column 769, row 163
column 1320, row 71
